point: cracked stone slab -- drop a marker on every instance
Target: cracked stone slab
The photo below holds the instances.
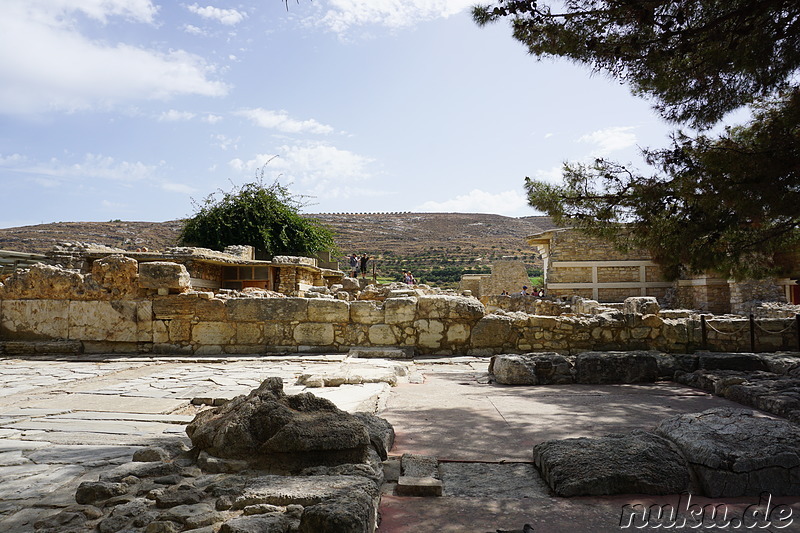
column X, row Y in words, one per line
column 638, row 462
column 736, row 452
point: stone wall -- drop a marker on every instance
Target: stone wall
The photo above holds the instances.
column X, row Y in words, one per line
column 571, row 245
column 108, row 311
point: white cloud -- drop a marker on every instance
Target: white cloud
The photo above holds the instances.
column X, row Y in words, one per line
column 179, row 188
column 610, row 139
column 281, row 121
column 342, row 15
column 509, row 203
column 552, row 175
column 93, row 166
column 193, row 30
column 211, row 118
column 55, row 67
column 228, row 17
column 316, row 167
column 174, row 115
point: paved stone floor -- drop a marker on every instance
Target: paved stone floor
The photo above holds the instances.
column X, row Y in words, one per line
column 64, row 420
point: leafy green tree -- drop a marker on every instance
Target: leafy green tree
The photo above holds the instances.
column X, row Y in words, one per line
column 722, row 202
column 265, row 217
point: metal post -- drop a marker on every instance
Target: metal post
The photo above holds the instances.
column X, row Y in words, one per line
column 703, row 333
column 752, row 333
column 797, row 323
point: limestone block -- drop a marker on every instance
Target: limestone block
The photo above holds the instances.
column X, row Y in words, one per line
column 277, row 334
column 491, row 331
column 366, row 312
column 160, row 332
column 454, row 307
column 639, row 462
column 212, row 310
column 616, row 367
column 400, row 310
column 640, row 305
column 429, row 333
column 458, row 334
column 163, row 275
column 335, row 311
column 382, row 335
column 268, row 309
column 216, row 333
column 117, row 274
column 34, row 319
column 249, row 333
column 314, row 334
column 735, row 452
column 176, row 306
column 418, row 486
column 180, row 330
column 114, row 321
column 532, row 369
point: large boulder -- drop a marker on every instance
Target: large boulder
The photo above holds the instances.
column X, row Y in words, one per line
column 281, row 433
column 163, row 275
column 636, row 463
column 532, row 369
column 736, row 452
column 617, row 367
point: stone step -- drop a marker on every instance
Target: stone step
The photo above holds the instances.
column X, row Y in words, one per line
column 40, row 347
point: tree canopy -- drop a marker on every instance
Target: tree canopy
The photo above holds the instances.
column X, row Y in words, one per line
column 723, row 202
column 265, row 217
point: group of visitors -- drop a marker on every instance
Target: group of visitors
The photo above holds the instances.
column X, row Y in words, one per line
column 408, row 278
column 535, row 291
column 359, row 263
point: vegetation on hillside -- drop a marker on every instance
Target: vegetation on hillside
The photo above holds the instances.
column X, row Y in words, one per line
column 265, row 217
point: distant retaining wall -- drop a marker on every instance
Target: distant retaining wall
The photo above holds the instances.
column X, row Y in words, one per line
column 56, row 305
column 195, row 324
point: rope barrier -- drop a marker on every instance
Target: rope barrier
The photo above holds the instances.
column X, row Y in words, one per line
column 744, row 326
column 784, row 330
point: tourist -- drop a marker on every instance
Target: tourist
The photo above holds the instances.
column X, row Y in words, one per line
column 410, row 278
column 353, row 266
column 363, row 262
column 524, row 291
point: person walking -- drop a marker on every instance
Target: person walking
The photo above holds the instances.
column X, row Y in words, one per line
column 353, row 266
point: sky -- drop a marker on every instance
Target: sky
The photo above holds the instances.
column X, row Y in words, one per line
column 140, row 109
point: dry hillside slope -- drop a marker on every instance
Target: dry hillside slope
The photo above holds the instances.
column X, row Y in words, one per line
column 413, row 240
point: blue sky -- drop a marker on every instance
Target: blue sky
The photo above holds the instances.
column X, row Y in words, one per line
column 129, row 109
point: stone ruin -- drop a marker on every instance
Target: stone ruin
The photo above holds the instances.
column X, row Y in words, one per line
column 720, row 452
column 264, row 462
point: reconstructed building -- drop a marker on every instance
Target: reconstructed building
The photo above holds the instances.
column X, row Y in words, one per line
column 586, row 266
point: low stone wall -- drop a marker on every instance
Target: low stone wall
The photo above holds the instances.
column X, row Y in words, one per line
column 110, row 311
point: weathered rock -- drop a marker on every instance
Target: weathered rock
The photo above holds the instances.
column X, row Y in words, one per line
column 264, row 523
column 419, row 486
column 351, row 513
column 301, row 490
column 163, row 275
column 150, row 455
column 640, row 305
column 638, row 462
column 117, row 274
column 279, row 432
column 381, row 433
column 616, row 367
column 532, row 369
column 735, row 452
column 731, row 361
column 175, row 496
column 779, row 395
column 90, row 492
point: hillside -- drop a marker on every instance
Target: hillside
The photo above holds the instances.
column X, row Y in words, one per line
column 417, row 241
